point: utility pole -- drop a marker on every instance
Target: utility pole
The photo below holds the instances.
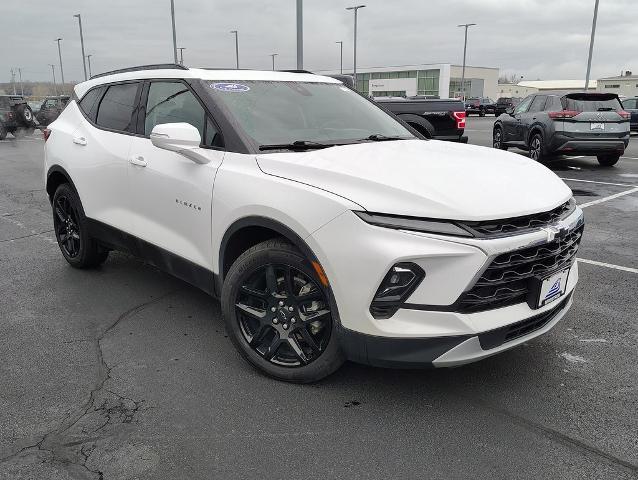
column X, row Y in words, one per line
column 21, row 86
column 591, row 45
column 354, row 66
column 181, row 55
column 88, row 59
column 60, row 56
column 236, row 48
column 273, row 55
column 466, row 26
column 55, row 85
column 174, row 34
column 299, row 34
column 341, row 56
column 13, row 80
column 79, row 17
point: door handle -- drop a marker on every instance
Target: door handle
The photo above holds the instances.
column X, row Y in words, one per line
column 138, row 160
column 79, row 141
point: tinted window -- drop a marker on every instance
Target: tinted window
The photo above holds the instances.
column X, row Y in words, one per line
column 212, row 138
column 89, row 102
column 538, row 103
column 553, row 104
column 631, row 103
column 592, row 103
column 172, row 102
column 522, row 107
column 116, row 108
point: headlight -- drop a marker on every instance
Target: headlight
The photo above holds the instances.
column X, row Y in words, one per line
column 414, row 224
column 397, row 285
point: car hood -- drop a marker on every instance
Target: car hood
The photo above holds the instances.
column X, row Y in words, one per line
column 426, row 178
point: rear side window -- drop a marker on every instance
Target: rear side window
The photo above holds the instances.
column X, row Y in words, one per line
column 591, row 104
column 553, row 104
column 116, row 108
column 89, row 102
column 538, row 103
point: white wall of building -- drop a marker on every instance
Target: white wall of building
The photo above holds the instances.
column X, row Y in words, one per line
column 627, row 86
column 487, row 74
column 408, row 85
column 513, row 90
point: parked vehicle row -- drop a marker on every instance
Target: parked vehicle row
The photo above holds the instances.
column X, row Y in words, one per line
column 576, row 123
column 631, row 106
column 16, row 116
column 480, row 106
column 505, row 103
column 329, row 230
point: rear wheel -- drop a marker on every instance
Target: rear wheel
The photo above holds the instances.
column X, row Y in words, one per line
column 71, row 230
column 481, row 112
column 278, row 314
column 497, row 139
column 608, row 160
column 3, row 132
column 536, row 148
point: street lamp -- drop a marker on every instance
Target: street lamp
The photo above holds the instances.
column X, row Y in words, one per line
column 79, row 17
column 21, row 85
column 174, row 34
column 181, row 55
column 60, row 55
column 299, row 34
column 273, row 55
column 341, row 56
column 236, row 47
column 55, row 86
column 591, row 45
column 354, row 67
column 88, row 59
column 466, row 26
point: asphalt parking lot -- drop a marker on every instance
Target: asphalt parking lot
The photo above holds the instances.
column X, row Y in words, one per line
column 125, row 372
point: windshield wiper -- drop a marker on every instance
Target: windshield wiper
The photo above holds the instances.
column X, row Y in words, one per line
column 376, row 137
column 606, row 109
column 296, row 145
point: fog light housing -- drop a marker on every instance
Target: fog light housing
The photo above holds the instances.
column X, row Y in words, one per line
column 397, row 285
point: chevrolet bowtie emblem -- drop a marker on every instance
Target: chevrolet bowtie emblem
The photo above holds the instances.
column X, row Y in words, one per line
column 551, row 232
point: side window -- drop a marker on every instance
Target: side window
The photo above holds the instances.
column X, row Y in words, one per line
column 631, row 103
column 553, row 104
column 89, row 102
column 116, row 108
column 172, row 102
column 212, row 138
column 538, row 103
column 522, row 107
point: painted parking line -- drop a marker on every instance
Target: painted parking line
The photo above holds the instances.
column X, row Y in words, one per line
column 601, row 183
column 630, row 158
column 610, row 197
column 608, row 265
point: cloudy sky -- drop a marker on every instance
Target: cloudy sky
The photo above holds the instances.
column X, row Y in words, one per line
column 546, row 39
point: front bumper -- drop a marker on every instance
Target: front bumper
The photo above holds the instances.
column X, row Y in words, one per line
column 426, row 329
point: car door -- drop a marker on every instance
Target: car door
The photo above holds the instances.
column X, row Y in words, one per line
column 171, row 196
column 513, row 131
column 100, row 147
column 530, row 118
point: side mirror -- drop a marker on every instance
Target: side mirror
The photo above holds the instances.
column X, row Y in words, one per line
column 180, row 138
column 510, row 111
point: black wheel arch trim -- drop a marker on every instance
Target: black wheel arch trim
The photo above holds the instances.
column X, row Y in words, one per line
column 57, row 169
column 409, row 118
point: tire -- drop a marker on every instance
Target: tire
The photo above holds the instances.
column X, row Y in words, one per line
column 290, row 335
column 497, row 139
column 481, row 113
column 24, row 113
column 71, row 230
column 537, row 148
column 3, row 132
column 608, row 160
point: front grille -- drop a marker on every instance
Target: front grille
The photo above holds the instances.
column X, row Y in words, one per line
column 497, row 337
column 506, row 281
column 518, row 225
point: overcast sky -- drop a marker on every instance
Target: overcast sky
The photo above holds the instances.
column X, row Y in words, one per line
column 546, row 39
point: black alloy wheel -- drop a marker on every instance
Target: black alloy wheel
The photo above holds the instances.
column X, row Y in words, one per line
column 497, row 139
column 283, row 315
column 536, row 148
column 66, row 226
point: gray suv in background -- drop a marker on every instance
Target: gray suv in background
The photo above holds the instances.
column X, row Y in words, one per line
column 576, row 123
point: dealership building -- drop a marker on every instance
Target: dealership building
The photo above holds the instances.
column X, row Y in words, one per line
column 437, row 79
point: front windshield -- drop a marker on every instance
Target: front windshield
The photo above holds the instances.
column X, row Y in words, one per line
column 276, row 112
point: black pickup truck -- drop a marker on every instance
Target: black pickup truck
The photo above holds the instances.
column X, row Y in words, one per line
column 440, row 119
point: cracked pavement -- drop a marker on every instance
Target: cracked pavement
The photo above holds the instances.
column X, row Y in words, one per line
column 125, row 373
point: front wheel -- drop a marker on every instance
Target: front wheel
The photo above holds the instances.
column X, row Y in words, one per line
column 536, row 148
column 608, row 160
column 278, row 314
column 71, row 230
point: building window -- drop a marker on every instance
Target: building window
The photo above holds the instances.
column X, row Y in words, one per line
column 386, row 93
column 615, row 85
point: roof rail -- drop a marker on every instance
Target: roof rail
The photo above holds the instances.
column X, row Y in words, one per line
column 296, row 71
column 157, row 66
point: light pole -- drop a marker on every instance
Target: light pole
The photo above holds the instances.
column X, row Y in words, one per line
column 236, row 48
column 273, row 55
column 299, row 34
column 21, row 86
column 55, row 85
column 466, row 26
column 88, row 59
column 591, row 45
column 13, row 80
column 341, row 56
column 181, row 55
column 354, row 66
column 60, row 56
column 79, row 17
column 174, row 34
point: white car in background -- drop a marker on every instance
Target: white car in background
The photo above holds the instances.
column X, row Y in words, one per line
column 328, row 228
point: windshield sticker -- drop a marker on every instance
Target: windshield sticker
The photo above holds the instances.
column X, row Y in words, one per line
column 230, row 87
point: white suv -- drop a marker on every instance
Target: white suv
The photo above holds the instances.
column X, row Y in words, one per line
column 329, row 229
